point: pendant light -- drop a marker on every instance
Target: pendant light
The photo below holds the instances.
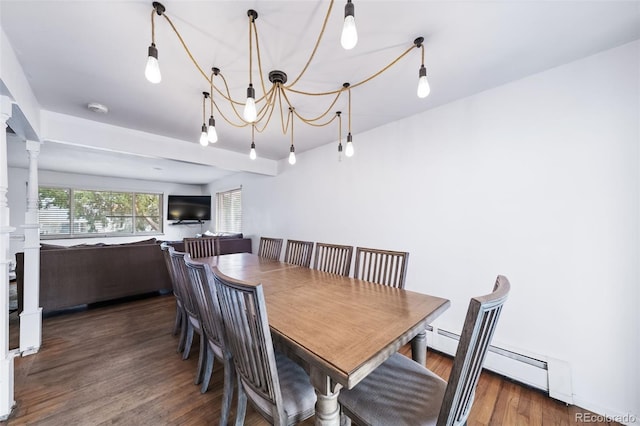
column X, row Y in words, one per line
column 252, row 153
column 292, row 150
column 279, row 93
column 152, row 69
column 423, row 84
column 349, row 151
column 204, row 137
column 212, row 134
column 250, row 113
column 349, row 37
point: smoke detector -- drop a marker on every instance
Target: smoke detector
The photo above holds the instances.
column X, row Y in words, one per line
column 99, row 108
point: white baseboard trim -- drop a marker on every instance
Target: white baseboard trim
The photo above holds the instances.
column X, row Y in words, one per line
column 522, row 368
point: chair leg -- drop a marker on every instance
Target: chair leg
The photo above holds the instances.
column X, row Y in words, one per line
column 207, row 371
column 183, row 332
column 227, row 394
column 242, row 405
column 201, row 358
column 188, row 341
column 178, row 322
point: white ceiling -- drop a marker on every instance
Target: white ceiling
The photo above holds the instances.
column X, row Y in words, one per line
column 76, row 52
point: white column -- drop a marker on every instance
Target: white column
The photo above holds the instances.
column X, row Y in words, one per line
column 31, row 316
column 6, row 357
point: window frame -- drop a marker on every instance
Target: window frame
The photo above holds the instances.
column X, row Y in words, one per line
column 78, row 235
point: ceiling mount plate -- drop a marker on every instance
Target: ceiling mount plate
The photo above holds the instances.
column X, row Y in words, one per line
column 276, row 76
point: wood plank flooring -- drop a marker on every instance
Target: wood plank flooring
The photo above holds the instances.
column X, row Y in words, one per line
column 118, row 365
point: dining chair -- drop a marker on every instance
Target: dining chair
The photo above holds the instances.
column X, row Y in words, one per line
column 179, row 309
column 191, row 310
column 333, row 258
column 403, row 392
column 381, row 266
column 203, row 287
column 279, row 389
column 298, row 252
column 270, row 248
column 202, row 246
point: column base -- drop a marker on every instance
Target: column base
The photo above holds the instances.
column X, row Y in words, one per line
column 7, row 403
column 30, row 332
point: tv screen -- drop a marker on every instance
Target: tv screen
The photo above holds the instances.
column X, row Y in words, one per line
column 189, row 207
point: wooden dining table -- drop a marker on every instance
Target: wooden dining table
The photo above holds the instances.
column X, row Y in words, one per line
column 340, row 328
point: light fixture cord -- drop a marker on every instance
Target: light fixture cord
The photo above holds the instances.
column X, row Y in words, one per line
column 153, row 28
column 360, row 83
column 422, row 52
column 211, row 96
column 315, row 48
column 349, row 109
column 255, row 33
column 253, row 128
column 204, row 101
column 250, row 49
column 339, row 128
column 291, row 114
column 310, row 121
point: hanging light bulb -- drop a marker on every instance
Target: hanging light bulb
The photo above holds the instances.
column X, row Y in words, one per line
column 423, row 84
column 349, row 148
column 349, row 37
column 292, row 155
column 212, row 135
column 252, row 153
column 152, row 70
column 250, row 114
column 204, row 139
column 340, row 151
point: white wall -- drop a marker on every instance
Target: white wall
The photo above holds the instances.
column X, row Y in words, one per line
column 17, row 197
column 537, row 180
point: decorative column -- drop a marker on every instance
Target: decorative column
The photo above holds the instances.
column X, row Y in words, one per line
column 31, row 316
column 6, row 358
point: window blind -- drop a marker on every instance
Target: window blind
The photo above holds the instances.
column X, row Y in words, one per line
column 229, row 211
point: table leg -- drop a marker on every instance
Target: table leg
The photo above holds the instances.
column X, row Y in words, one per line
column 327, row 407
column 419, row 348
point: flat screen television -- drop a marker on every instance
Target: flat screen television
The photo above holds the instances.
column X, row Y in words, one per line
column 189, row 207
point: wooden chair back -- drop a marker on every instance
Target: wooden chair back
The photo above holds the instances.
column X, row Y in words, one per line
column 270, row 248
column 167, row 261
column 181, row 278
column 385, row 267
column 248, row 335
column 333, row 258
column 202, row 246
column 206, row 298
column 479, row 326
column 298, row 252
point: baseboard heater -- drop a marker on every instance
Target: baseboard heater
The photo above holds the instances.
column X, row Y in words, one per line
column 549, row 375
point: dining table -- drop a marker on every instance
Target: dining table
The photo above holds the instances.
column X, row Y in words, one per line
column 339, row 328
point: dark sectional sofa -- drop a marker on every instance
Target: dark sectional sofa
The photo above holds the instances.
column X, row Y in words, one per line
column 84, row 274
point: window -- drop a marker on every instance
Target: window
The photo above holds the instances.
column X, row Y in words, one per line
column 229, row 211
column 68, row 212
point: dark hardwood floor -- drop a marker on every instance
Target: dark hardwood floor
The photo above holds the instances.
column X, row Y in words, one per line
column 118, row 365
